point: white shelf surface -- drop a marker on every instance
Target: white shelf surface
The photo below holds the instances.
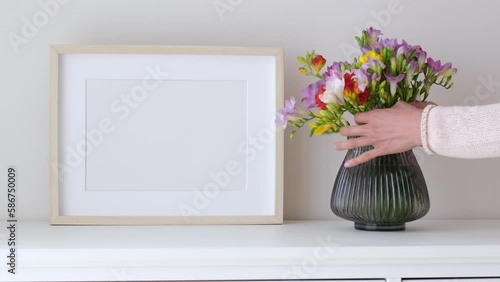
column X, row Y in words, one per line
column 294, row 250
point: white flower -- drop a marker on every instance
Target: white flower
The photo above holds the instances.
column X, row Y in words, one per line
column 334, row 91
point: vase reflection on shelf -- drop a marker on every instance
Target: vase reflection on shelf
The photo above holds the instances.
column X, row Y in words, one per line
column 381, row 194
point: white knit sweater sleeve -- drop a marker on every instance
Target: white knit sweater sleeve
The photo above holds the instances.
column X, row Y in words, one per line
column 462, row 132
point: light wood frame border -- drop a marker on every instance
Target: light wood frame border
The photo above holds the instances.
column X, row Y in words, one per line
column 58, row 219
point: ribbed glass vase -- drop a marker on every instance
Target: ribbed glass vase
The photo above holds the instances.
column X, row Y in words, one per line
column 382, row 194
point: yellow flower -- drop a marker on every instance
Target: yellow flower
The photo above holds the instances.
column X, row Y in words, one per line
column 372, row 54
column 321, row 129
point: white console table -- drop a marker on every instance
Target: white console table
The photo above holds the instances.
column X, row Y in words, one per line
column 296, row 250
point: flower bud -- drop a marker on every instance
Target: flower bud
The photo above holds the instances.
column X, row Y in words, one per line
column 318, row 62
column 394, row 65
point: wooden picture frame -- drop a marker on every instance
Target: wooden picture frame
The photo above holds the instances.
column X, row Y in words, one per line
column 147, row 135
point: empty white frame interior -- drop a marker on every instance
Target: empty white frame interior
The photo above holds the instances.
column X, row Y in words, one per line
column 167, row 137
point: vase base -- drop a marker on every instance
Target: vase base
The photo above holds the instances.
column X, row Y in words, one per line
column 378, row 227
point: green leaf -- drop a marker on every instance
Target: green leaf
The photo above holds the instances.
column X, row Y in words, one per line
column 311, row 131
column 308, row 57
column 360, row 41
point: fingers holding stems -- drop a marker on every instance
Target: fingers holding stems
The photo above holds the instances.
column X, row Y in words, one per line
column 389, row 131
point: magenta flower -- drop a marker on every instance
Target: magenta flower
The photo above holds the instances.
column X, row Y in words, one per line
column 286, row 114
column 309, row 94
column 393, row 82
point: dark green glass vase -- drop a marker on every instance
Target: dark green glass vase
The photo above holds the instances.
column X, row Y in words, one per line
column 382, row 194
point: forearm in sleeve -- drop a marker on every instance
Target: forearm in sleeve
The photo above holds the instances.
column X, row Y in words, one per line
column 462, row 132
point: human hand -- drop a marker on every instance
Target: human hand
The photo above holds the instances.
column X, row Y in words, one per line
column 389, row 131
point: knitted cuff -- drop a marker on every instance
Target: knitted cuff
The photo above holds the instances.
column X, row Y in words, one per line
column 424, row 129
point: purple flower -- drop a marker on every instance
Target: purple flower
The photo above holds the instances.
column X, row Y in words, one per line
column 393, row 82
column 333, row 71
column 435, row 65
column 411, row 49
column 365, row 49
column 286, row 114
column 421, row 57
column 400, row 51
column 371, row 64
column 406, row 49
column 372, row 32
column 309, row 94
column 403, row 44
column 390, row 43
column 362, row 77
column 374, row 62
column 447, row 70
column 366, row 65
column 441, row 70
column 373, row 35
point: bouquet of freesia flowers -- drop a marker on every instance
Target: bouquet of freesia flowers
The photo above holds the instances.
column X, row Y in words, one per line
column 386, row 72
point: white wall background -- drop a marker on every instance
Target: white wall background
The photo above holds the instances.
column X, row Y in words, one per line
column 464, row 32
